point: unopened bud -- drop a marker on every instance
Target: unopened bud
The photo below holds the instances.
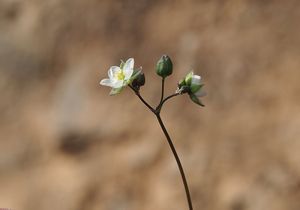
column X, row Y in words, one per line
column 139, row 81
column 164, row 66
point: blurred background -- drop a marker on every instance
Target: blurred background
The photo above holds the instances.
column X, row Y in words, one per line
column 66, row 144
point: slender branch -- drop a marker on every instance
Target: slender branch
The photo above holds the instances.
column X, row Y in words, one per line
column 158, row 108
column 188, row 196
column 169, row 97
column 137, row 92
column 162, row 90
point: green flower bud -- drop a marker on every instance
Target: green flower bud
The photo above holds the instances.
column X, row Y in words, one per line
column 139, row 80
column 164, row 66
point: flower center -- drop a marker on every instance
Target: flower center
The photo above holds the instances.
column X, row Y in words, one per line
column 119, row 75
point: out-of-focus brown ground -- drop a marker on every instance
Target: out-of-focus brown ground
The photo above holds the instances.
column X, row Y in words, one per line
column 65, row 144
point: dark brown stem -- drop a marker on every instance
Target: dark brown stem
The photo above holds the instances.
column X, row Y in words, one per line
column 158, row 108
column 157, row 114
column 162, row 90
column 186, row 187
column 137, row 92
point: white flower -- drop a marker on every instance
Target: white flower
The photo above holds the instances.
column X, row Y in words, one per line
column 119, row 77
column 195, row 87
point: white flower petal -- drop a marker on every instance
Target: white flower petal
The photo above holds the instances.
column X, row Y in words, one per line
column 117, row 84
column 115, row 91
column 129, row 63
column 112, row 71
column 196, row 79
column 200, row 93
column 128, row 74
column 128, row 68
column 106, row 82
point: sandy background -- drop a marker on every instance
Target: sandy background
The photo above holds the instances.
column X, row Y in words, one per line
column 65, row 144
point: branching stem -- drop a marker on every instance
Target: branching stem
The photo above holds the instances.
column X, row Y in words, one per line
column 156, row 111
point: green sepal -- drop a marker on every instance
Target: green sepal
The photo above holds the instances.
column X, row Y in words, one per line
column 139, row 81
column 115, row 91
column 181, row 83
column 196, row 88
column 195, row 99
column 135, row 74
column 188, row 78
column 183, row 89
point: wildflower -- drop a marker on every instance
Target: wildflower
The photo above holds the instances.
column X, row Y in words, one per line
column 119, row 77
column 192, row 85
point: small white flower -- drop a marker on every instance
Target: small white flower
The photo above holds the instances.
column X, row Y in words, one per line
column 119, row 77
column 195, row 87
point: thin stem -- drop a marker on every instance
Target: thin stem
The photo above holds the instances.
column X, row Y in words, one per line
column 158, row 108
column 169, row 97
column 137, row 92
column 186, row 187
column 162, row 90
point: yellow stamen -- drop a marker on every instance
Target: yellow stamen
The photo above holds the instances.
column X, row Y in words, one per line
column 119, row 75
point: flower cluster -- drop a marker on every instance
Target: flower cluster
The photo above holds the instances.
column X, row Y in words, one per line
column 125, row 74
